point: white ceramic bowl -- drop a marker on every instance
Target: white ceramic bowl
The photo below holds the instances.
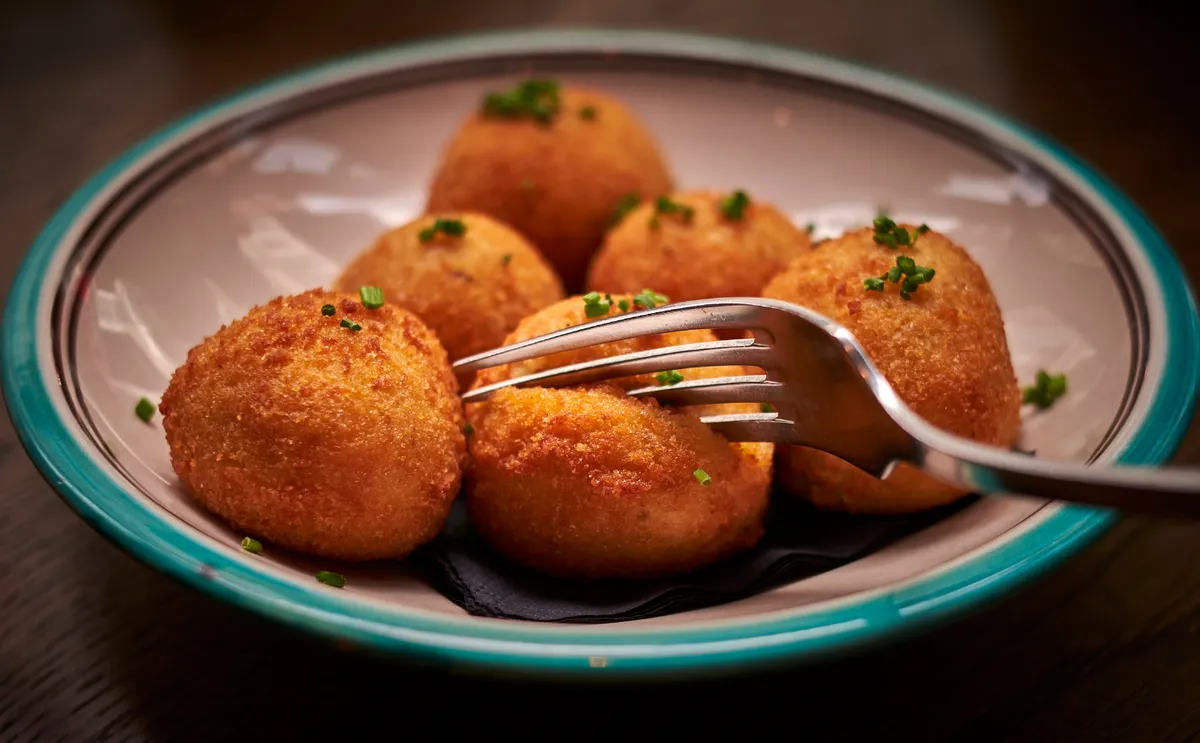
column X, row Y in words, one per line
column 270, row 192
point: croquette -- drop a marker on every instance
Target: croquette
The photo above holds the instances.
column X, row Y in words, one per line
column 321, row 426
column 588, row 482
column 557, row 179
column 698, row 245
column 471, row 289
column 943, row 349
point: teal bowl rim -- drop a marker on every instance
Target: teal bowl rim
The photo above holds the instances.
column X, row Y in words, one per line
column 176, row 549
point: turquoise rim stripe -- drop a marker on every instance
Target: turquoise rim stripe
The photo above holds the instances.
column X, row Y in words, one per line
column 176, row 549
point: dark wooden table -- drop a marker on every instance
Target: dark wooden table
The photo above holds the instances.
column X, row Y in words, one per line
column 95, row 646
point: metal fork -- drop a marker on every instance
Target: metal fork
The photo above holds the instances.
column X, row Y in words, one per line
column 827, row 395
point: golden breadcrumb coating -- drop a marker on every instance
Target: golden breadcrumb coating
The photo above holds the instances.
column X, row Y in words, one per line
column 559, row 183
column 707, row 256
column 317, row 438
column 588, row 482
column 471, row 290
column 944, row 351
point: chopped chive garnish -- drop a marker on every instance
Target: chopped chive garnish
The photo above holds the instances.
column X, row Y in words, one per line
column 507, row 259
column 348, row 323
column 623, row 305
column 733, row 206
column 668, row 378
column 337, row 580
column 144, row 410
column 1046, row 390
column 908, row 270
column 766, row 407
column 372, row 297
column 664, row 205
column 595, row 305
column 468, row 430
column 451, row 227
column 587, row 113
column 251, row 545
column 328, row 310
column 535, row 99
column 892, row 235
column 648, row 300
column 627, row 204
column 702, row 477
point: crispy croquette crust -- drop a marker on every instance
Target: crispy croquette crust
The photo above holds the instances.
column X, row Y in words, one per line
column 707, row 256
column 944, row 351
column 316, row 438
column 557, row 184
column 588, row 482
column 470, row 290
column 591, row 483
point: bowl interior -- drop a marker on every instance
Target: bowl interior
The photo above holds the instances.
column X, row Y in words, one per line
column 281, row 206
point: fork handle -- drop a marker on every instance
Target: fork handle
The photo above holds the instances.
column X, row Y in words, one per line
column 986, row 470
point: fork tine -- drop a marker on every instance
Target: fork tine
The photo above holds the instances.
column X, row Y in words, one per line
column 735, row 352
column 746, row 388
column 767, row 427
column 693, row 315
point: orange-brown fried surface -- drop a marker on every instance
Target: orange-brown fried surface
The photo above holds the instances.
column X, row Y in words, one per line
column 316, row 437
column 943, row 350
column 472, row 289
column 558, row 182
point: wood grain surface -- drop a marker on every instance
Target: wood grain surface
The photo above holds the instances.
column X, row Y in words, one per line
column 94, row 646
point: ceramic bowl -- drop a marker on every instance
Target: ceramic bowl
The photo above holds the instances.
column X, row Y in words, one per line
column 271, row 191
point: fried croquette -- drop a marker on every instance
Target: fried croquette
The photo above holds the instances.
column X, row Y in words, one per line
column 320, row 426
column 943, row 349
column 556, row 179
column 588, row 482
column 471, row 289
column 722, row 247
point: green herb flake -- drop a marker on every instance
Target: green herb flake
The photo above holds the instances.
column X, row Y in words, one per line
column 810, row 228
column 450, row 227
column 144, row 410
column 595, row 305
column 766, row 407
column 702, row 478
column 906, row 272
column 337, row 580
column 468, row 430
column 733, row 206
column 328, row 310
column 668, row 378
column 1046, row 390
column 663, row 205
column 353, row 326
column 534, row 99
column 588, row 113
column 251, row 545
column 627, row 204
column 893, row 236
column 648, row 300
column 623, row 305
column 372, row 297
column 507, row 259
